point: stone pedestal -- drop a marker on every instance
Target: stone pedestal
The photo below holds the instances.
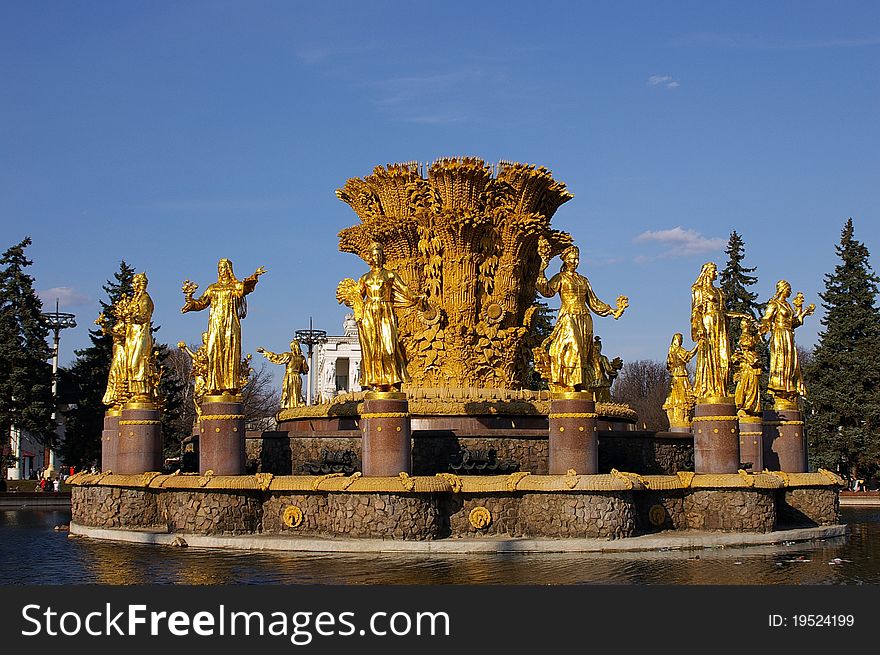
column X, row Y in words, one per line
column 139, row 448
column 574, row 440
column 386, row 445
column 751, row 448
column 716, row 436
column 222, row 435
column 110, row 440
column 785, row 446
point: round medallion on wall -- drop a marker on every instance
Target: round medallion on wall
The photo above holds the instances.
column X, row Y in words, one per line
column 480, row 517
column 494, row 312
column 293, row 516
column 657, row 515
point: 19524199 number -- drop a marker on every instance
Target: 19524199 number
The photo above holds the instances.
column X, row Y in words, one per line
column 812, row 621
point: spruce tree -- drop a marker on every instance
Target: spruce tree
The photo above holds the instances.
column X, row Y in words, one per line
column 843, row 378
column 735, row 281
column 89, row 372
column 25, row 375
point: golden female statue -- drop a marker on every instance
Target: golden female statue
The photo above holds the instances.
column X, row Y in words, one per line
column 607, row 373
column 226, row 298
column 780, row 319
column 137, row 312
column 680, row 401
column 573, row 361
column 116, row 392
column 296, row 365
column 198, row 372
column 748, row 372
column 373, row 298
column 709, row 318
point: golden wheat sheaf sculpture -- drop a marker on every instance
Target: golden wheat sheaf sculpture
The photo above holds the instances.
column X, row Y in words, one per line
column 466, row 234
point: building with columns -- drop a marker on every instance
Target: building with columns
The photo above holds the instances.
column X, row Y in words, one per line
column 338, row 363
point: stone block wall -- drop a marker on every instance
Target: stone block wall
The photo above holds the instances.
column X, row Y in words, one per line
column 608, row 515
column 211, row 512
column 808, row 506
column 660, row 510
column 643, row 453
column 438, row 515
column 731, row 510
column 114, row 507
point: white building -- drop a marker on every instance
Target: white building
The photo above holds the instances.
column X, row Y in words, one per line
column 338, row 363
column 28, row 453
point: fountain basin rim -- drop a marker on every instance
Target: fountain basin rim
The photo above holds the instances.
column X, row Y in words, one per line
column 487, row 545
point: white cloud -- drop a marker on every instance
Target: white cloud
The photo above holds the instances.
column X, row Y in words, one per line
column 679, row 241
column 66, row 296
column 666, row 81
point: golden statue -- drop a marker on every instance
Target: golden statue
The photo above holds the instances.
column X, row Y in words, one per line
column 680, row 402
column 198, row 372
column 117, row 388
column 573, row 360
column 226, row 297
column 373, row 299
column 780, row 319
column 137, row 313
column 709, row 318
column 296, row 365
column 747, row 375
column 607, row 373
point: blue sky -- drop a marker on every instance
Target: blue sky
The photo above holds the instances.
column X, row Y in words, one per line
column 172, row 134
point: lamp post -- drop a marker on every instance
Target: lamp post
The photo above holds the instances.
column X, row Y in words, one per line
column 311, row 338
column 56, row 321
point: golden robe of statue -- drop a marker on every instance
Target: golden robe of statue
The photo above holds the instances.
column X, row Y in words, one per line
column 574, row 363
column 295, row 366
column 226, row 298
column 747, row 375
column 780, row 319
column 373, row 298
column 709, row 318
column 140, row 364
column 117, row 387
column 680, row 401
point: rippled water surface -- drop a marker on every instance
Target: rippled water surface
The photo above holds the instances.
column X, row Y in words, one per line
column 32, row 552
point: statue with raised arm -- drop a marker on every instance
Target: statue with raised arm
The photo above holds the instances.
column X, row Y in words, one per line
column 569, row 353
column 137, row 313
column 709, row 320
column 374, row 298
column 680, row 402
column 228, row 306
column 117, row 386
column 198, row 372
column 295, row 365
column 748, row 372
column 781, row 319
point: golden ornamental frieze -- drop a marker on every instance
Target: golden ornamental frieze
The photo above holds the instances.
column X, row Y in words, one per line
column 458, row 402
column 468, row 484
column 465, row 234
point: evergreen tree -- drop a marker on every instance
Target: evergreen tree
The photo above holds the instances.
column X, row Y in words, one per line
column 843, row 379
column 735, row 281
column 25, row 375
column 542, row 326
column 89, row 372
column 171, row 395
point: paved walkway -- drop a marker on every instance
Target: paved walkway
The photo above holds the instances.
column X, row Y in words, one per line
column 684, row 540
